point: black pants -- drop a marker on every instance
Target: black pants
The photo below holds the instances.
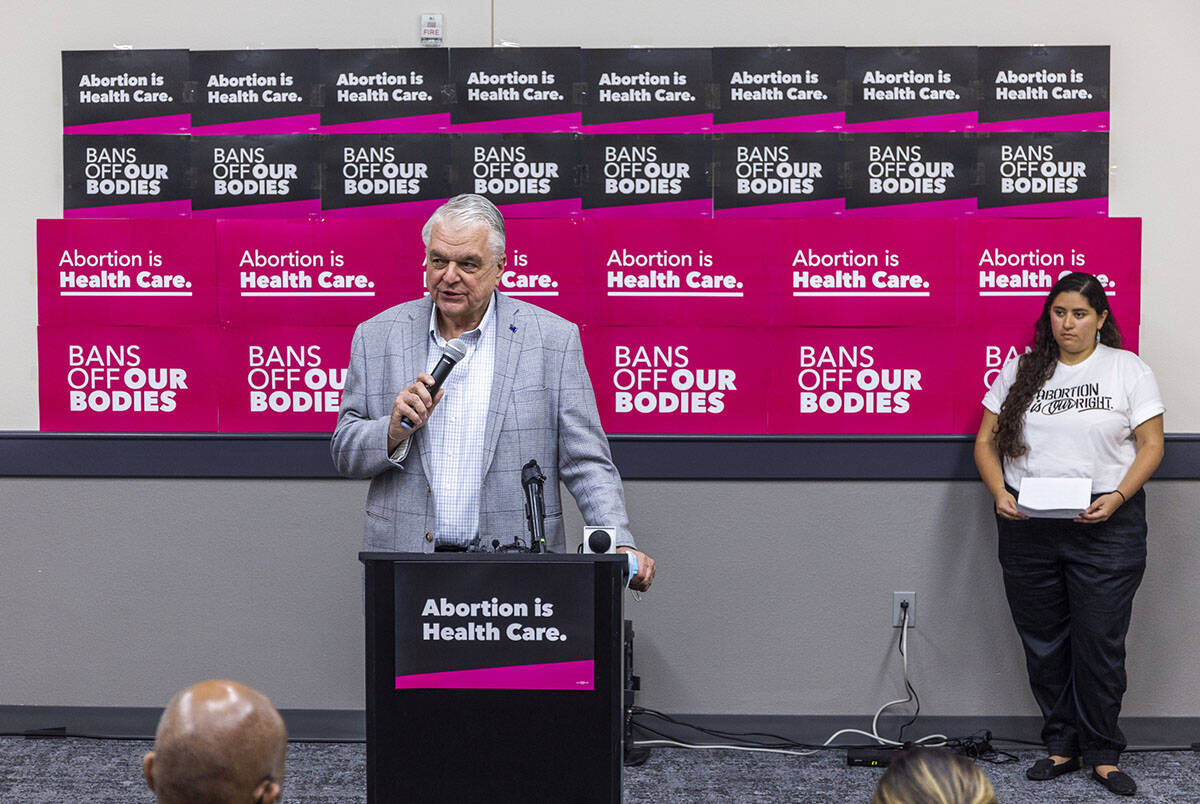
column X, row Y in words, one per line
column 1070, row 587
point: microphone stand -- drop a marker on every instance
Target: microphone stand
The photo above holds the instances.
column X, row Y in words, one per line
column 533, row 482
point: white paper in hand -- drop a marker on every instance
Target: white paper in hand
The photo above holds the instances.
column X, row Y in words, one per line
column 1054, row 497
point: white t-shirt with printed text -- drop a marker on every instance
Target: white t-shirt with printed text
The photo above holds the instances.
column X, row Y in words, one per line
column 1080, row 424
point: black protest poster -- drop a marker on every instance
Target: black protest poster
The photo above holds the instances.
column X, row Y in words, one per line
column 276, row 174
column 254, row 91
column 397, row 89
column 124, row 91
column 794, row 88
column 894, row 170
column 1044, row 88
column 648, row 90
column 752, row 171
column 1028, row 169
column 368, row 171
column 517, row 168
column 646, row 174
column 515, row 619
column 126, row 171
column 514, row 88
column 902, row 83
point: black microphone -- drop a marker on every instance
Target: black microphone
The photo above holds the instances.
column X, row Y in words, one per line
column 455, row 351
column 533, row 480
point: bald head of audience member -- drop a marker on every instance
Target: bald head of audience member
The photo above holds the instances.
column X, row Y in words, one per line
column 218, row 742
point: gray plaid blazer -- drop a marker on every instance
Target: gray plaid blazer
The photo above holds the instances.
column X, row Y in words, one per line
column 542, row 407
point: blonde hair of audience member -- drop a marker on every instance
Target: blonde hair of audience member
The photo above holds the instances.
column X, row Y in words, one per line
column 933, row 776
column 218, row 742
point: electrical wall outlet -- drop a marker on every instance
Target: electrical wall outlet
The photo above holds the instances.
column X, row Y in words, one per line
column 898, row 611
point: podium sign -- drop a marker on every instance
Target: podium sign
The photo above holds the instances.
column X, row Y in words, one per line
column 493, row 677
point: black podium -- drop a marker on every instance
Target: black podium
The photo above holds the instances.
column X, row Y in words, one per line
column 493, row 677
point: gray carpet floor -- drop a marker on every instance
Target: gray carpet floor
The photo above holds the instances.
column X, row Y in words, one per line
column 84, row 770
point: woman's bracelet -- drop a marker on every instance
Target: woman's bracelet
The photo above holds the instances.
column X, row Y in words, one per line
column 1118, row 491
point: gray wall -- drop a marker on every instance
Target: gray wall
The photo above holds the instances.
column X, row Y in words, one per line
column 772, row 597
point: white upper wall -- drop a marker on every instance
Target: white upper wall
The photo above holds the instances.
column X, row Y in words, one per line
column 1155, row 65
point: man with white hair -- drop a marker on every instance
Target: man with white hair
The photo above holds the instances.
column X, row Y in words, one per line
column 445, row 470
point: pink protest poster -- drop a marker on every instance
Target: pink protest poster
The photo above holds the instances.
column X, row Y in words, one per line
column 514, row 89
column 384, row 175
column 1043, row 88
column 647, row 90
column 861, row 381
column 282, row 379
column 911, row 175
column 125, row 91
column 1008, row 266
column 675, row 272
column 383, row 90
column 860, row 273
column 544, row 266
column 300, row 272
column 778, row 89
column 255, row 91
column 1043, row 175
column 127, row 379
column 911, row 88
column 981, row 353
column 126, row 176
column 678, row 380
column 123, row 272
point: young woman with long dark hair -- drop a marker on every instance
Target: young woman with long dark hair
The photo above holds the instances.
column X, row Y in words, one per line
column 1075, row 405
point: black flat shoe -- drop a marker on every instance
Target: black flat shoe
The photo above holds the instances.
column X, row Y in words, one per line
column 1117, row 782
column 1044, row 769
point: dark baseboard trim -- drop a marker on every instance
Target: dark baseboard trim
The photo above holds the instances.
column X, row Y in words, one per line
column 349, row 725
column 139, row 722
column 306, row 456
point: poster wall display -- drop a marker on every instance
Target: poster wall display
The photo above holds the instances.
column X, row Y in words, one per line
column 125, row 92
column 911, row 88
column 693, row 380
column 518, row 89
column 647, row 90
column 384, row 91
column 384, row 175
column 560, row 174
column 255, row 91
column 778, row 176
column 282, row 379
column 256, row 176
column 1043, row 88
column 318, row 273
column 1043, row 175
column 525, row 175
column 956, row 295
column 127, row 272
column 126, row 175
column 619, row 90
column 777, row 89
column 861, row 273
column 646, row 175
column 675, row 272
column 773, row 240
column 94, row 379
